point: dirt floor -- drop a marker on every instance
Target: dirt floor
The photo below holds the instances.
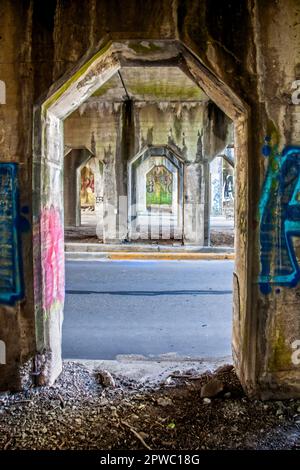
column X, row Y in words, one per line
column 80, row 413
column 222, row 238
column 77, row 237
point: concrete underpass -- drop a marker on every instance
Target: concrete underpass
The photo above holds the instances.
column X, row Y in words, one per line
column 149, row 228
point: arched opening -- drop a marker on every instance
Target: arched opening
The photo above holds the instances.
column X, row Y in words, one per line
column 87, row 195
column 83, row 196
column 222, row 193
column 155, row 195
column 48, row 163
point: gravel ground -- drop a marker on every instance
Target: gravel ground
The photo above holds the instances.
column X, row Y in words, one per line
column 79, row 413
column 222, row 238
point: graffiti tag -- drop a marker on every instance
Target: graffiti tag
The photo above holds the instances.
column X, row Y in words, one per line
column 280, row 218
column 52, row 236
column 11, row 280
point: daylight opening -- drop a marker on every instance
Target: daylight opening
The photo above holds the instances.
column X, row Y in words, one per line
column 222, row 192
column 135, row 143
column 154, row 159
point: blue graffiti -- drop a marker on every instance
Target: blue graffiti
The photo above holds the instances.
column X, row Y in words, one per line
column 11, row 279
column 280, row 218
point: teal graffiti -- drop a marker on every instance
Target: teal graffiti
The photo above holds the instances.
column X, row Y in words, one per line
column 11, row 278
column 279, row 212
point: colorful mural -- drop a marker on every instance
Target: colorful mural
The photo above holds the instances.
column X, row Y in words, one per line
column 159, row 186
column 52, row 237
column 280, row 218
column 11, row 280
column 87, row 193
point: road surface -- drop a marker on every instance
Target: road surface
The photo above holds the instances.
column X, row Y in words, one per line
column 148, row 308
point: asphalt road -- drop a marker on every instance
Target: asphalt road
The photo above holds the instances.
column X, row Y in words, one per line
column 147, row 308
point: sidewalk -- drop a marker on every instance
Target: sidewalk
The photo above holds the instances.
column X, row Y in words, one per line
column 94, row 251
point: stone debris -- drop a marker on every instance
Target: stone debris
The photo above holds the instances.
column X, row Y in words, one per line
column 212, row 388
column 79, row 413
column 105, row 378
column 207, row 401
column 164, row 401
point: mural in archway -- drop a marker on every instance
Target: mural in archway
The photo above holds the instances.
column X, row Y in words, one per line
column 87, row 193
column 155, row 194
column 159, row 187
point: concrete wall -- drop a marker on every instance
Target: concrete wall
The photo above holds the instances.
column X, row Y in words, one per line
column 253, row 48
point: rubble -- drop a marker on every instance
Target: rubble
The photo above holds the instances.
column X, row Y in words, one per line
column 212, row 388
column 78, row 413
column 105, row 378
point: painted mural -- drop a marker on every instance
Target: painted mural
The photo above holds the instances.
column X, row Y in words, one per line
column 280, row 218
column 52, row 238
column 159, row 187
column 11, row 281
column 87, row 193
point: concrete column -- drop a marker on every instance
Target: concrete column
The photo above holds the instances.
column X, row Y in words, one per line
column 205, row 187
column 127, row 151
column 115, row 227
column 109, row 197
column 193, row 205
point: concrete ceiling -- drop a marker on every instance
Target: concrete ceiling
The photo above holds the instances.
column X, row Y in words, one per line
column 150, row 84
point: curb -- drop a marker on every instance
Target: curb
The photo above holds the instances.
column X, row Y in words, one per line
column 142, row 248
column 123, row 256
column 171, row 256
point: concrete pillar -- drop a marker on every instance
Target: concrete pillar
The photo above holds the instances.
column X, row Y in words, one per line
column 193, row 205
column 115, row 227
column 109, row 198
column 207, row 202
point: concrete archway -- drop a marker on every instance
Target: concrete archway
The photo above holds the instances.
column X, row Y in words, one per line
column 221, row 195
column 74, row 161
column 140, row 223
column 63, row 98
